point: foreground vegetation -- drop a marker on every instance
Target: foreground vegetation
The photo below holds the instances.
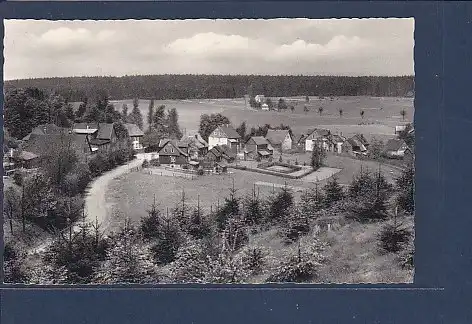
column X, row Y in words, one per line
column 246, row 239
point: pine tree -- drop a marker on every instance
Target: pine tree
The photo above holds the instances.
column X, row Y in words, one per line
column 150, row 116
column 151, row 224
column 173, row 124
column 281, row 204
column 317, row 156
column 230, row 209
column 254, row 212
column 311, row 202
column 135, row 116
column 333, row 191
column 124, row 113
column 406, row 190
column 170, row 238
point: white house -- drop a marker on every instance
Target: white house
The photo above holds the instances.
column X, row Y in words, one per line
column 136, row 135
column 260, row 99
column 280, row 139
column 318, row 136
column 225, row 135
column 396, row 148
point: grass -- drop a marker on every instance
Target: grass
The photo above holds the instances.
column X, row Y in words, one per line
column 381, row 114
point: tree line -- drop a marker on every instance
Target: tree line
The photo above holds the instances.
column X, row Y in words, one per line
column 214, row 247
column 190, row 86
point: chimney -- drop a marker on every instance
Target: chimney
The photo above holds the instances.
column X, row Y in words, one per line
column 87, row 126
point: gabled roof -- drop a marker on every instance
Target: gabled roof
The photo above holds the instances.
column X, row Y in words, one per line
column 258, row 140
column 336, row 138
column 228, row 131
column 25, row 156
column 85, row 126
column 133, row 130
column 394, row 144
column 361, row 139
column 277, row 136
column 174, row 143
column 46, row 129
column 222, row 151
column 317, row 133
column 105, row 131
column 43, row 144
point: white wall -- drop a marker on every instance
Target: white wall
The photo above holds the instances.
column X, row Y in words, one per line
column 215, row 141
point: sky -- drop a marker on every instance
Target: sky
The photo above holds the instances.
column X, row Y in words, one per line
column 352, row 47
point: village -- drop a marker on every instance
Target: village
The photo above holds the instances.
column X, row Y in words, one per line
column 243, row 166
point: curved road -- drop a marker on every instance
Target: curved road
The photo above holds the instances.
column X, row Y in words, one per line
column 95, row 203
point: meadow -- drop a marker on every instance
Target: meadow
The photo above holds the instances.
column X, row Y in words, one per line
column 381, row 114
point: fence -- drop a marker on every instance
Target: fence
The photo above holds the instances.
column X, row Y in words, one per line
column 168, row 173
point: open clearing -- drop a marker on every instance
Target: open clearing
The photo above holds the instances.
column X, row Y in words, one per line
column 381, row 114
column 130, row 195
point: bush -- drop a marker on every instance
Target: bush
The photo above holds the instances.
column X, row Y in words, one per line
column 155, row 162
column 185, row 166
column 294, row 270
column 200, row 172
column 14, row 265
column 18, row 177
column 254, row 260
column 393, row 239
column 145, row 164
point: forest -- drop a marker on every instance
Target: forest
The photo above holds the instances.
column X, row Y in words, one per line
column 188, row 86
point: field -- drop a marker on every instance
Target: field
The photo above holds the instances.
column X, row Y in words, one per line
column 381, row 115
column 131, row 194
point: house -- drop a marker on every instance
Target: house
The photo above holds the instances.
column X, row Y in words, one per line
column 25, row 159
column 136, row 136
column 320, row 136
column 218, row 158
column 399, row 129
column 258, row 147
column 265, row 106
column 45, row 129
column 197, row 146
column 225, row 135
column 46, row 145
column 105, row 139
column 170, row 153
column 281, row 139
column 260, row 99
column 395, row 148
column 358, row 144
column 335, row 143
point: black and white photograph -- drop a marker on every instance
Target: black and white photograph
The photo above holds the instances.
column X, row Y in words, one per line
column 227, row 151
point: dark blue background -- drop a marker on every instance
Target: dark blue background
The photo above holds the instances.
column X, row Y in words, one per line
column 443, row 120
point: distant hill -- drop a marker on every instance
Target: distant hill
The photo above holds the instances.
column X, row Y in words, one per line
column 218, row 86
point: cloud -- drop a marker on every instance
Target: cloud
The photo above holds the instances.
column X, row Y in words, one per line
column 39, row 48
column 65, row 40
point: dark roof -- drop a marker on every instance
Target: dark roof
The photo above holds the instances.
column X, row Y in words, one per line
column 229, row 131
column 174, row 143
column 276, row 136
column 134, row 130
column 46, row 129
column 43, row 144
column 222, row 151
column 394, row 144
column 98, row 142
column 336, row 138
column 318, row 133
column 361, row 139
column 299, row 137
column 259, row 140
column 105, row 131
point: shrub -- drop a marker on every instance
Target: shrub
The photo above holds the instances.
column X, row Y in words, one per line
column 393, row 238
column 14, row 265
column 254, row 260
column 294, row 270
column 280, row 158
column 155, row 162
column 200, row 172
column 185, row 166
column 145, row 164
column 18, row 177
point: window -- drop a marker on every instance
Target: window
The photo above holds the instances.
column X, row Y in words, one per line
column 165, row 150
column 172, row 150
column 172, row 159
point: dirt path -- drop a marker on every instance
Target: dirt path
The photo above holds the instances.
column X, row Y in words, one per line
column 96, row 207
